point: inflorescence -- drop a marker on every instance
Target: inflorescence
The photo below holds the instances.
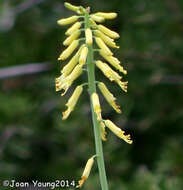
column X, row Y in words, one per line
column 103, row 38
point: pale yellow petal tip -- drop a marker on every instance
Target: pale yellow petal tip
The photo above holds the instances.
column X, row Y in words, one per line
column 80, row 182
column 66, row 114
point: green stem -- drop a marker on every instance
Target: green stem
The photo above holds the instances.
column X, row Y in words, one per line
column 92, row 89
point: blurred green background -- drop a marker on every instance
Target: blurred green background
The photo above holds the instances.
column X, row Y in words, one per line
column 35, row 144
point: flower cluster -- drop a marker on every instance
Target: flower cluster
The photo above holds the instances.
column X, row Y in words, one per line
column 95, row 34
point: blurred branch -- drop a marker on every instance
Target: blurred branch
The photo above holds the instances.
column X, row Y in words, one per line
column 172, row 79
column 6, row 135
column 9, row 14
column 27, row 69
column 26, row 5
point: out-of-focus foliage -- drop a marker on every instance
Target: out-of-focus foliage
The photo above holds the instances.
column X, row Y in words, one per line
column 36, row 144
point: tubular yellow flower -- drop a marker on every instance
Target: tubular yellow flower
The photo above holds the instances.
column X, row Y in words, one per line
column 114, row 62
column 117, row 131
column 73, row 28
column 107, row 71
column 110, row 42
column 68, row 20
column 88, row 35
column 109, row 96
column 86, row 172
column 67, row 52
column 103, row 131
column 106, row 15
column 67, row 82
column 72, row 101
column 83, row 56
column 96, row 105
column 97, row 18
column 71, row 38
column 72, row 63
column 102, row 45
column 108, row 32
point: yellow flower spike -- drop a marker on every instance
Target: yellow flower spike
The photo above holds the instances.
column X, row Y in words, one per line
column 67, row 52
column 72, row 101
column 102, row 45
column 106, row 15
column 103, row 131
column 73, row 28
column 109, row 96
column 71, row 38
column 114, row 62
column 97, row 18
column 86, row 172
column 68, row 20
column 108, row 32
column 123, row 85
column 83, row 56
column 96, row 105
column 107, row 71
column 67, row 82
column 88, row 35
column 72, row 63
column 107, row 40
column 117, row 131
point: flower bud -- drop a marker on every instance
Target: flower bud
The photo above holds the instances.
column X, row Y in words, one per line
column 103, row 47
column 88, row 35
column 68, row 20
column 96, row 105
column 67, row 52
column 106, row 15
column 108, row 32
column 83, row 56
column 71, row 38
column 72, row 63
column 97, row 18
column 73, row 28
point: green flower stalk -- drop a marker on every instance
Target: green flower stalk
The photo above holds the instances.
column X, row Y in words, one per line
column 94, row 35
